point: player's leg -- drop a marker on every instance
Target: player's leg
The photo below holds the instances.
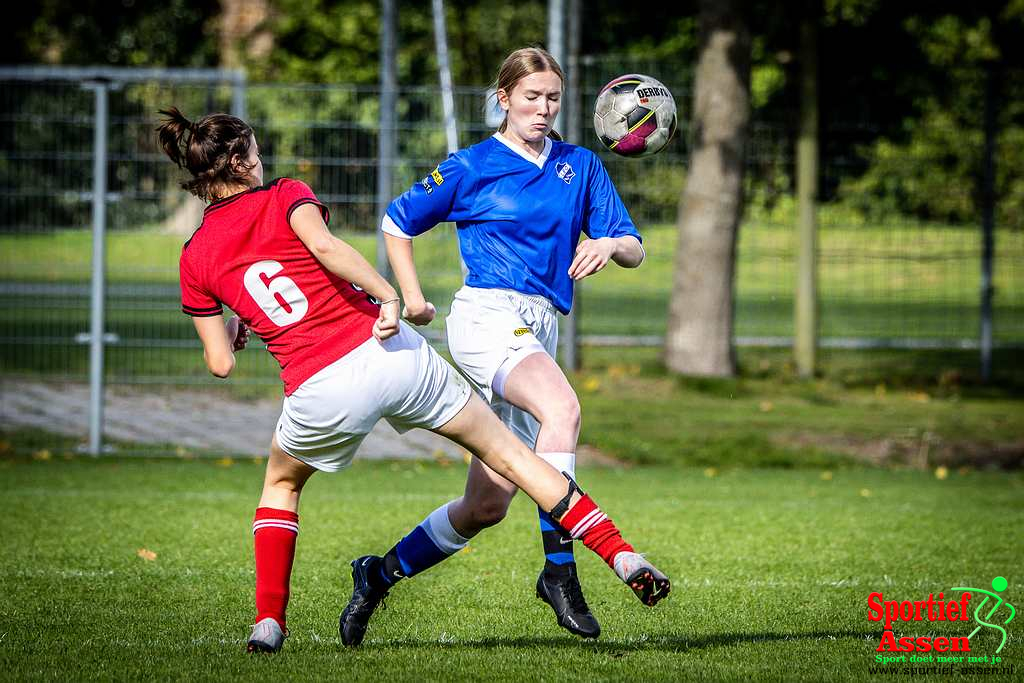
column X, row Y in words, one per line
column 476, row 428
column 484, row 501
column 441, row 534
column 322, row 424
column 420, row 389
column 491, row 333
column 275, row 528
column 545, row 407
column 479, row 430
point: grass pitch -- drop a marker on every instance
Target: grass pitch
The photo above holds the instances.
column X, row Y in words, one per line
column 897, row 281
column 142, row 569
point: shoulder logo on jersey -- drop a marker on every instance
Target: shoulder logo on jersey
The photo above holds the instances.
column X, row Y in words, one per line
column 565, row 172
column 520, row 331
column 436, row 176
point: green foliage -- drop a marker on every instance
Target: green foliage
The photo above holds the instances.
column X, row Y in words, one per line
column 931, row 175
column 322, row 41
column 139, row 33
column 481, row 34
column 920, row 156
column 338, row 41
column 854, row 12
column 932, row 166
column 934, row 173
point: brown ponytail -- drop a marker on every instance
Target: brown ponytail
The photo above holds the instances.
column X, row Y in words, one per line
column 213, row 149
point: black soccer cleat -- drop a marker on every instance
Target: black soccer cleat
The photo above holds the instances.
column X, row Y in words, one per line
column 563, row 593
column 365, row 598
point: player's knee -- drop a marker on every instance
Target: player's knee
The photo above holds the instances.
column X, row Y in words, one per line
column 563, row 413
column 488, row 513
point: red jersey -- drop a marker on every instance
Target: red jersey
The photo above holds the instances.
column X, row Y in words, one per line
column 246, row 256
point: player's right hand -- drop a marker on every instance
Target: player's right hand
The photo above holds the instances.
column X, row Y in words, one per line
column 419, row 316
column 386, row 325
column 238, row 333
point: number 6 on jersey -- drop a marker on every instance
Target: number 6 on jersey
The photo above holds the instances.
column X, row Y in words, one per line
column 279, row 297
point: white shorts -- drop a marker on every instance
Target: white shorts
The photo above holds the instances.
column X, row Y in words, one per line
column 489, row 332
column 402, row 380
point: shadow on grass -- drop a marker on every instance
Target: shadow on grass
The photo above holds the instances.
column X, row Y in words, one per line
column 667, row 643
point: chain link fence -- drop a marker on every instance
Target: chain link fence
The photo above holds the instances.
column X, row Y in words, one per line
column 889, row 281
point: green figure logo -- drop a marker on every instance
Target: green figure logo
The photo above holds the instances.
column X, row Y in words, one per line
column 998, row 584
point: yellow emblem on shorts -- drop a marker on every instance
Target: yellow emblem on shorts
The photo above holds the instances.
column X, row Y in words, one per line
column 436, row 175
column 521, row 331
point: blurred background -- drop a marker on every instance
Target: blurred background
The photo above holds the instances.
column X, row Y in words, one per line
column 918, row 176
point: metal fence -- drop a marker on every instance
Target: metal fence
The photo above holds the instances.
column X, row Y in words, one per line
column 896, row 282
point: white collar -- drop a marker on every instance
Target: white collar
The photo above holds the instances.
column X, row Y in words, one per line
column 536, row 161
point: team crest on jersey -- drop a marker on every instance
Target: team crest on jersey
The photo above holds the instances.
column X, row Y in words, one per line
column 436, row 175
column 520, row 331
column 565, row 172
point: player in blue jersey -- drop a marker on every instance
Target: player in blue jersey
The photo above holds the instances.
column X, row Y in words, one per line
column 521, row 200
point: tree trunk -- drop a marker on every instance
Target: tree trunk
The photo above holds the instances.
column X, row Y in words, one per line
column 186, row 216
column 242, row 35
column 700, row 326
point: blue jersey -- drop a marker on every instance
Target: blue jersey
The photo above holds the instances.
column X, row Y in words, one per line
column 519, row 219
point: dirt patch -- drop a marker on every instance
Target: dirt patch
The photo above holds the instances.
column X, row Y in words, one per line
column 917, row 450
column 591, row 455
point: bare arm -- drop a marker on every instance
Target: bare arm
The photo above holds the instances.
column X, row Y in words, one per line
column 593, row 255
column 341, row 259
column 220, row 341
column 417, row 309
column 336, row 255
column 629, row 253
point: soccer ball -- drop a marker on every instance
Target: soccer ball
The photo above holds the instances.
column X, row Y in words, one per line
column 635, row 115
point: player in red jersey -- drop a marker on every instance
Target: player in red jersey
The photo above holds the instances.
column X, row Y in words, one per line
column 332, row 322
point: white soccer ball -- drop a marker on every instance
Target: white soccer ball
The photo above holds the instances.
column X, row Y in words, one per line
column 635, row 115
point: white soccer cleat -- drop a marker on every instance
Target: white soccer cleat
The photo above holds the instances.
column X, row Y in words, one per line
column 649, row 584
column 267, row 636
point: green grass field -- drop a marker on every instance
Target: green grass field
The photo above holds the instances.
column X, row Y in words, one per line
column 895, row 409
column 901, row 281
column 772, row 571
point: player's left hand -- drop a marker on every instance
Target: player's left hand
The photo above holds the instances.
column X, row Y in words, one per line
column 591, row 256
column 238, row 333
column 386, row 325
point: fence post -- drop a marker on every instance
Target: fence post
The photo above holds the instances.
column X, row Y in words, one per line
column 386, row 134
column 97, row 295
column 805, row 313
column 988, row 198
column 571, row 343
column 445, row 73
column 238, row 87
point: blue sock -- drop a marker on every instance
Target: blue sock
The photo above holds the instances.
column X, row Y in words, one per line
column 558, row 550
column 557, row 544
column 432, row 541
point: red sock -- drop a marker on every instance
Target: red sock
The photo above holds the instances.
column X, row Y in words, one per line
column 274, row 532
column 586, row 522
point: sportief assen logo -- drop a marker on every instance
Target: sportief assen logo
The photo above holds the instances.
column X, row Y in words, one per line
column 983, row 608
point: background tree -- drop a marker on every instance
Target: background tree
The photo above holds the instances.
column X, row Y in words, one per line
column 243, row 33
column 178, row 33
column 700, row 325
